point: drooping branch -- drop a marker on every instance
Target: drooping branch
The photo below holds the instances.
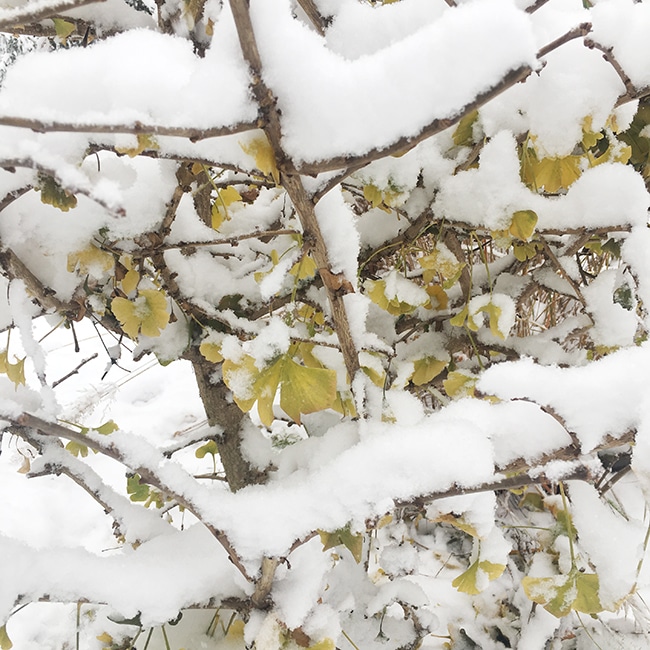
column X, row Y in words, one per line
column 108, row 446
column 35, row 11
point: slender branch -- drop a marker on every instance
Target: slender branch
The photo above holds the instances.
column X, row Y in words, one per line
column 109, row 448
column 75, row 371
column 75, row 189
column 35, row 11
column 10, row 197
column 608, row 55
column 560, row 269
column 577, row 32
column 580, row 473
column 136, row 128
column 435, row 126
column 15, row 269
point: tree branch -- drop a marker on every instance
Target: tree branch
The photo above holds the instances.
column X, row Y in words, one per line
column 580, row 473
column 136, row 128
column 15, row 269
column 435, row 126
column 35, row 11
column 335, row 284
column 581, row 30
column 317, row 19
column 108, row 447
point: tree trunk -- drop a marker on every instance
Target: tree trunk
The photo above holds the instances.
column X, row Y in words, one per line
column 225, row 414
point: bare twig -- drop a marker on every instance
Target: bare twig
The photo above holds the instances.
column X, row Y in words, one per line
column 35, row 11
column 75, row 189
column 579, row 473
column 577, row 32
column 75, row 371
column 560, row 269
column 10, row 197
column 608, row 55
column 14, row 269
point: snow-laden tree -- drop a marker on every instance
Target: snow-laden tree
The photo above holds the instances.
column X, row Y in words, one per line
column 400, row 251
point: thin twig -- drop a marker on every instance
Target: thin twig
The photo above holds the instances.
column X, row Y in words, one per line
column 608, row 55
column 580, row 473
column 577, row 32
column 75, row 371
column 27, row 163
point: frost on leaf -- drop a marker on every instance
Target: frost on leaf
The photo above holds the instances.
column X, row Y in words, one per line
column 475, row 578
column 562, row 593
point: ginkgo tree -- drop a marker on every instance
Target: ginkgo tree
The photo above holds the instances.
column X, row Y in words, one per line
column 402, row 246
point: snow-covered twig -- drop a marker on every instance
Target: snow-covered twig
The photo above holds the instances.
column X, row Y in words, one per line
column 137, row 128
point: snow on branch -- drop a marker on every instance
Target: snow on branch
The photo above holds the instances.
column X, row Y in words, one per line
column 38, row 10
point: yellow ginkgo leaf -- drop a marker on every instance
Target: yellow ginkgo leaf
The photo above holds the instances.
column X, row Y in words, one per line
column 63, row 28
column 262, row 151
column 211, row 351
column 305, row 268
column 463, row 136
column 143, row 142
column 554, row 174
column 424, row 370
column 16, row 371
column 562, row 593
column 130, row 281
column 5, row 641
column 225, row 197
column 459, row 384
column 523, row 224
column 147, row 314
column 90, row 261
column 306, row 390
